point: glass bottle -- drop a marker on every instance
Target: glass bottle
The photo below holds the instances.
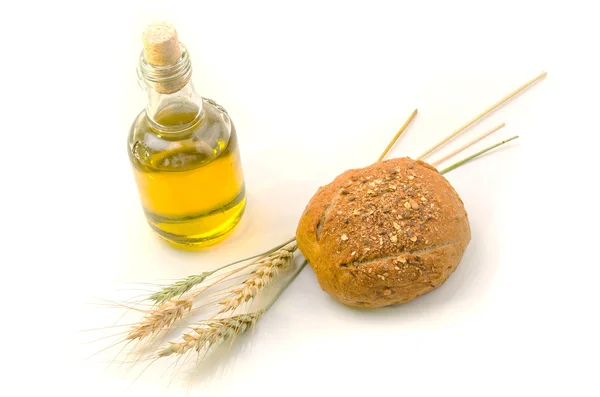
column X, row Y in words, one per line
column 183, row 150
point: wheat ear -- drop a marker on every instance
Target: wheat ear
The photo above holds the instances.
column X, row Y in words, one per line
column 159, row 318
column 211, row 333
column 178, row 288
column 264, row 273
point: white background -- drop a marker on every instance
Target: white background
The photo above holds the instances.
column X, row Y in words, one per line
column 314, row 88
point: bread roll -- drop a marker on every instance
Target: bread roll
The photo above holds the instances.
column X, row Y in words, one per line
column 384, row 234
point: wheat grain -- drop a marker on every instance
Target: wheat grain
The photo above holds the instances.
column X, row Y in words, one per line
column 211, row 333
column 161, row 317
column 258, row 279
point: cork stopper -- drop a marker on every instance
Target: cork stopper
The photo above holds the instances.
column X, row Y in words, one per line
column 167, row 69
column 161, row 44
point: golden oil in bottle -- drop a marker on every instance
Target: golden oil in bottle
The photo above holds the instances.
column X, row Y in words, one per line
column 184, row 151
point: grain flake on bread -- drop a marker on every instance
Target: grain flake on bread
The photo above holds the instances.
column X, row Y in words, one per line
column 384, row 234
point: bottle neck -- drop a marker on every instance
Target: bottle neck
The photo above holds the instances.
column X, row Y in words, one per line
column 173, row 103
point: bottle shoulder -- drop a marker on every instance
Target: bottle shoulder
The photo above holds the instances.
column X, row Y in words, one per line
column 190, row 147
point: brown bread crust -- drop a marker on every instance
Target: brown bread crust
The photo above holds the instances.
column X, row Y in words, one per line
column 384, row 234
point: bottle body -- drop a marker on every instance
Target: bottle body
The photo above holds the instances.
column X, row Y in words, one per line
column 187, row 167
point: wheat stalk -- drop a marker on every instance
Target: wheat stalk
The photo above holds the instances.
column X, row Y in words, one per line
column 473, row 156
column 482, row 115
column 211, row 333
column 265, row 272
column 157, row 319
